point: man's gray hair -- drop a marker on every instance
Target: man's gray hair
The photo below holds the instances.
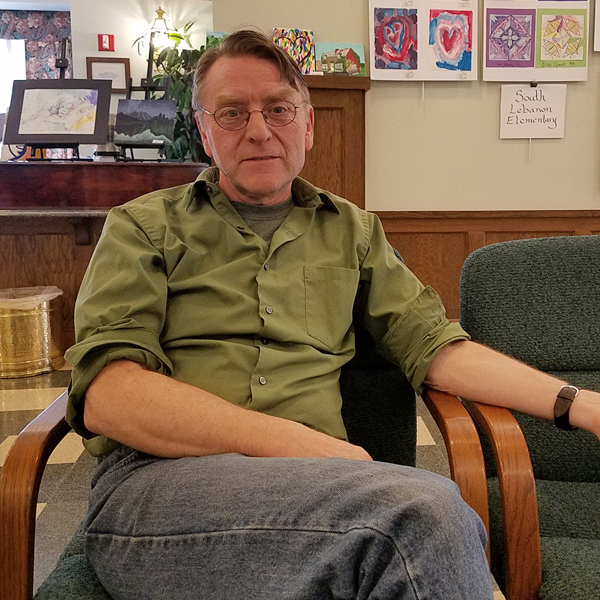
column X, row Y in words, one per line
column 247, row 42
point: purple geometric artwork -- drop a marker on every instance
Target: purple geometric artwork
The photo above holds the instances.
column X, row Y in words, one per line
column 510, row 35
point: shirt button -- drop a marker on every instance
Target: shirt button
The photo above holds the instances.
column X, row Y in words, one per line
column 269, row 310
column 262, row 380
column 266, row 266
column 264, row 341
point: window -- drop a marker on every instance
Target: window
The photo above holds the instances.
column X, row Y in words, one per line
column 12, row 59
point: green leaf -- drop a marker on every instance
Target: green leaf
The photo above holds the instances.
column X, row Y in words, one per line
column 177, row 67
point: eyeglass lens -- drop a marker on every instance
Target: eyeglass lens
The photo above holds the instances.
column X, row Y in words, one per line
column 276, row 114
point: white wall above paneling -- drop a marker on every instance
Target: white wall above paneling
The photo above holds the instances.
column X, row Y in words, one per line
column 439, row 147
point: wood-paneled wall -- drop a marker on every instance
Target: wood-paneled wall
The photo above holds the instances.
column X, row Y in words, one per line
column 55, row 250
column 435, row 244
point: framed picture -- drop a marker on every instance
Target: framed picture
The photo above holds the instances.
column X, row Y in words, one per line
column 114, row 69
column 55, row 112
column 145, row 123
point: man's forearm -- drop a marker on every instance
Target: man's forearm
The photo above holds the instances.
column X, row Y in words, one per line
column 164, row 417
column 478, row 373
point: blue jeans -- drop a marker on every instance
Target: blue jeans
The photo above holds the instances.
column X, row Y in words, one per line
column 233, row 527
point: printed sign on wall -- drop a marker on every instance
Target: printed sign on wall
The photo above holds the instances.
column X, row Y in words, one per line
column 533, row 112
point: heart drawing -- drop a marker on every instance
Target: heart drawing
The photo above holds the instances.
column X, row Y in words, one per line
column 396, row 35
column 450, row 37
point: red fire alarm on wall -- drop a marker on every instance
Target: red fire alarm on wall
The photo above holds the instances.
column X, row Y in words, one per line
column 106, row 42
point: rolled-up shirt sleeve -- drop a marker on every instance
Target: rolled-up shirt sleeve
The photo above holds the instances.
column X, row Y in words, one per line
column 120, row 309
column 407, row 320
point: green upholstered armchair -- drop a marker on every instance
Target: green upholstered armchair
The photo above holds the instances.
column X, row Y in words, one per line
column 380, row 414
column 539, row 301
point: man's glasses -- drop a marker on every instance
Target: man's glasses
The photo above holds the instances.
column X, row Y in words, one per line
column 233, row 118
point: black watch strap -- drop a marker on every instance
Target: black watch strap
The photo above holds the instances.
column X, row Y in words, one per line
column 562, row 406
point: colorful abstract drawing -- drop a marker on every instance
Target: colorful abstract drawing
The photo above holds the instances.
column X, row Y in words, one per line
column 214, row 38
column 299, row 44
column 561, row 38
column 451, row 39
column 395, row 38
column 510, row 38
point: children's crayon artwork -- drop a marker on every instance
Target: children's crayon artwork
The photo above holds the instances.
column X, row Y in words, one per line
column 299, row 44
column 451, row 39
column 340, row 59
column 510, row 38
column 214, row 38
column 423, row 39
column 536, row 40
column 395, row 43
column 562, row 36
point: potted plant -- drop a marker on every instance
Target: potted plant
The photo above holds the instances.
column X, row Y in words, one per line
column 175, row 68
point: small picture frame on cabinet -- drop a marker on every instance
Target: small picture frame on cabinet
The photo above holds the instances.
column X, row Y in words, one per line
column 115, row 69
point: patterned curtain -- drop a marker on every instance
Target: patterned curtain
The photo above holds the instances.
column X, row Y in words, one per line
column 43, row 33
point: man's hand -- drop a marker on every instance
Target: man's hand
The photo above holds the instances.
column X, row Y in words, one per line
column 306, row 442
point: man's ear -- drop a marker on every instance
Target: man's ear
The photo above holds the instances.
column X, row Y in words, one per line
column 310, row 129
column 205, row 142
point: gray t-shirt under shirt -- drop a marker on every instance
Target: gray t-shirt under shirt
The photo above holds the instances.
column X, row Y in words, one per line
column 264, row 220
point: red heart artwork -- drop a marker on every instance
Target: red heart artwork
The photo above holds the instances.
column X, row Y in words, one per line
column 396, row 37
column 449, row 39
column 394, row 34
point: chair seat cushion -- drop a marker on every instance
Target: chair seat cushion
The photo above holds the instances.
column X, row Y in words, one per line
column 570, row 569
column 569, row 514
column 73, row 578
column 569, row 509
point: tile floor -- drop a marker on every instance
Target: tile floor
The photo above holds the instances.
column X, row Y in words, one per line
column 63, row 495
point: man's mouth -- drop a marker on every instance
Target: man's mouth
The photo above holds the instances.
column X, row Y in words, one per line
column 259, row 158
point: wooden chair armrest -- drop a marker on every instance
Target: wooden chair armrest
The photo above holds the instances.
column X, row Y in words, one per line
column 19, row 486
column 520, row 525
column 467, row 467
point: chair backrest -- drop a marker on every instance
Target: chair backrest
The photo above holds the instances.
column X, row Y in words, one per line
column 538, row 300
column 379, row 405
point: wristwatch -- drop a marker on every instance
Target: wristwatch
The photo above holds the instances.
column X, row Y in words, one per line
column 562, row 406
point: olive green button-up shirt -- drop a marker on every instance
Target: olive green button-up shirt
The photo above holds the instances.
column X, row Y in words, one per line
column 179, row 283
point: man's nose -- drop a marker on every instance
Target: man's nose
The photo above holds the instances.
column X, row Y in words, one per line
column 257, row 128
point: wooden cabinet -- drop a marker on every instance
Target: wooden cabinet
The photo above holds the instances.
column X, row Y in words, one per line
column 337, row 159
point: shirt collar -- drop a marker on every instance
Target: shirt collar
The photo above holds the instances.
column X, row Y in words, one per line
column 304, row 193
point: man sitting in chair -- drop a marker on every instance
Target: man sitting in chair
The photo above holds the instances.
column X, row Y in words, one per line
column 212, row 324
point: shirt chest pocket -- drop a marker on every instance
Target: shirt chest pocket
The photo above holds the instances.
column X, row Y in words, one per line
column 330, row 294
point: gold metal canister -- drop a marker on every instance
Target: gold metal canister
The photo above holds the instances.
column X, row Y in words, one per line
column 30, row 337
